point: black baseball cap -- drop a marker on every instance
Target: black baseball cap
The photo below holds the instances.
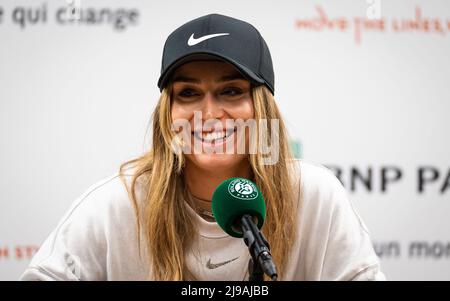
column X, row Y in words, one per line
column 217, row 36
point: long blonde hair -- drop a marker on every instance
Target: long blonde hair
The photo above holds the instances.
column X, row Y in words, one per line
column 161, row 213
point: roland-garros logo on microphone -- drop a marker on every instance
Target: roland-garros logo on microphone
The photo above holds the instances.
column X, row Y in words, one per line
column 243, row 189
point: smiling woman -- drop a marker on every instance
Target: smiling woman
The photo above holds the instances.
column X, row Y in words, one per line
column 216, row 90
column 153, row 219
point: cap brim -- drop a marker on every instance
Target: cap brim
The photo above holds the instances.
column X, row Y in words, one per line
column 203, row 56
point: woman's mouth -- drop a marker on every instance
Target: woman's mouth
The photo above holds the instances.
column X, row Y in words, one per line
column 214, row 138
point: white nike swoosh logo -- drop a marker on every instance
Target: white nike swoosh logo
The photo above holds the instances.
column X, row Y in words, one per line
column 193, row 41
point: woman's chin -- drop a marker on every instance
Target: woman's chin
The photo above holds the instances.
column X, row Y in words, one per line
column 216, row 161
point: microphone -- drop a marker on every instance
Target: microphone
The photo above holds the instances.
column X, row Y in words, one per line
column 240, row 210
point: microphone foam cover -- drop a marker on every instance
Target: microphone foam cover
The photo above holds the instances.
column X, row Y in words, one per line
column 232, row 199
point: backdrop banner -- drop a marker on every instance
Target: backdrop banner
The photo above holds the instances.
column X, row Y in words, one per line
column 363, row 85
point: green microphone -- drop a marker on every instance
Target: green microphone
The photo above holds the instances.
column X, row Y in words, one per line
column 240, row 210
column 232, row 199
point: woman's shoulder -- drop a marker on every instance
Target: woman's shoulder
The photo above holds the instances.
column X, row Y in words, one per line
column 96, row 211
column 100, row 221
column 106, row 196
column 314, row 176
column 332, row 234
column 323, row 196
column 319, row 186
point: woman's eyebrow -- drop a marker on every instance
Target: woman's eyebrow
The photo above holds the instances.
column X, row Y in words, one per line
column 186, row 79
column 230, row 77
column 225, row 78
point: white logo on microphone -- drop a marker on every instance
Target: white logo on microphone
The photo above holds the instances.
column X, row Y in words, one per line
column 243, row 189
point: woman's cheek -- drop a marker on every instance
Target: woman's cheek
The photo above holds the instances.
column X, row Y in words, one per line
column 243, row 110
column 181, row 112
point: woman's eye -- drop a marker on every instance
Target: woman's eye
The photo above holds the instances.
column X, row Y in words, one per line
column 232, row 91
column 187, row 93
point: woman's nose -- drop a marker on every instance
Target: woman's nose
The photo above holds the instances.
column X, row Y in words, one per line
column 211, row 107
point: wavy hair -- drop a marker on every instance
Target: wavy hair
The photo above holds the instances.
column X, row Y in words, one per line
column 161, row 170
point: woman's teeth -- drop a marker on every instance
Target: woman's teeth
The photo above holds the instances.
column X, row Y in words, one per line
column 213, row 136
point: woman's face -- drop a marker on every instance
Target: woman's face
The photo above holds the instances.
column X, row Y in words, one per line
column 217, row 91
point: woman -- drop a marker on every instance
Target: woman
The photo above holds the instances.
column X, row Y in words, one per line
column 153, row 219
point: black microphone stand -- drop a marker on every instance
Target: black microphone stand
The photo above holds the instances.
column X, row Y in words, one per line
column 261, row 261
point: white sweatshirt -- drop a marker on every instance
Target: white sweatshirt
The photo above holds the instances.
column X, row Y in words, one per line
column 97, row 239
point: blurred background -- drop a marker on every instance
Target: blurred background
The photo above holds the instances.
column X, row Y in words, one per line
column 363, row 85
